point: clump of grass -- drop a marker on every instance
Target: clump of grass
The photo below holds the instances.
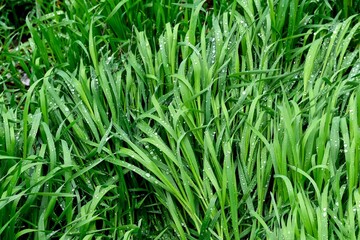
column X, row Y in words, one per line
column 229, row 123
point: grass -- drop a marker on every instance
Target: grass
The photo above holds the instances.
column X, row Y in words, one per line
column 187, row 120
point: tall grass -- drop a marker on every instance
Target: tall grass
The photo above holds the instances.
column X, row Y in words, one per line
column 208, row 121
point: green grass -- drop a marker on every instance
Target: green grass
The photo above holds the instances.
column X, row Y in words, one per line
column 188, row 120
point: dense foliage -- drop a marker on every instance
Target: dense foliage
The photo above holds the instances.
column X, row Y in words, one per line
column 190, row 120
